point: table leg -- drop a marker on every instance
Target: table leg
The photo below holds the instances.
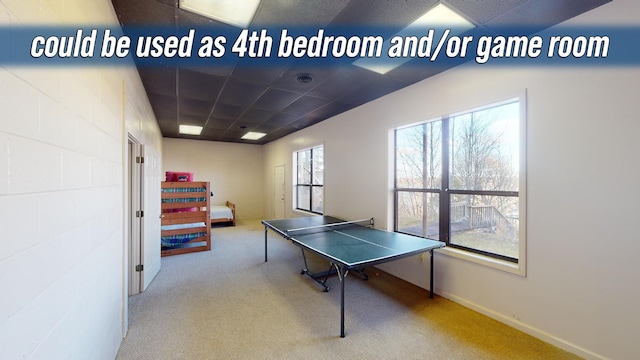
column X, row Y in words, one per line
column 342, row 274
column 265, row 243
column 318, row 277
column 431, row 276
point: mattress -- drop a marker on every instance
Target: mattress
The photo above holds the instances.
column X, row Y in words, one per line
column 221, row 212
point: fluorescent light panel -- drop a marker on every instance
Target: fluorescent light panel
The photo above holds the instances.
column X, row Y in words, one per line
column 253, row 135
column 190, row 130
column 233, row 12
column 438, row 17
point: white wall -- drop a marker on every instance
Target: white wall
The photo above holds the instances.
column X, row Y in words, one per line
column 62, row 143
column 580, row 290
column 234, row 170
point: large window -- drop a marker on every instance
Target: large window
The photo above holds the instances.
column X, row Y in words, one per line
column 309, row 189
column 458, row 179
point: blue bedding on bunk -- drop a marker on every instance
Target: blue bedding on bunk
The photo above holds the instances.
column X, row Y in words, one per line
column 180, row 239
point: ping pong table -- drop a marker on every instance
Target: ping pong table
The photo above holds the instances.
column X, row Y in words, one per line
column 348, row 246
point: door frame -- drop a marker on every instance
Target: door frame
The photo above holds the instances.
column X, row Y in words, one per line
column 135, row 221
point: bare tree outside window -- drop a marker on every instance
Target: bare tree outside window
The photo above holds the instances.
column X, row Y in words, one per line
column 419, row 167
column 484, row 180
column 463, row 181
column 310, row 179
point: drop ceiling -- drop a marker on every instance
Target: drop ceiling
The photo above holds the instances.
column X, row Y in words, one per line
column 228, row 101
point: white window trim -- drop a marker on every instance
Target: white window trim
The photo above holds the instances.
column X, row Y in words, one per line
column 519, row 268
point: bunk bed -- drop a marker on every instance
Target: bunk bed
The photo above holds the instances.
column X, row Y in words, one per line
column 224, row 213
column 185, row 217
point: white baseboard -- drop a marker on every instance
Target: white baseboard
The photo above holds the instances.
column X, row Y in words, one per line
column 537, row 333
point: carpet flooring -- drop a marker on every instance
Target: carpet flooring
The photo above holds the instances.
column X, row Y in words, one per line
column 228, row 303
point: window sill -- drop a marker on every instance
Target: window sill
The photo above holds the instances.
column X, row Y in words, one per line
column 305, row 213
column 507, row 266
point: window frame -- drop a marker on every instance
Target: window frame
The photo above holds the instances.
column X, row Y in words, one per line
column 312, row 185
column 473, row 255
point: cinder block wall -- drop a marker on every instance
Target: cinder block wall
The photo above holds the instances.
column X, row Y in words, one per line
column 62, row 142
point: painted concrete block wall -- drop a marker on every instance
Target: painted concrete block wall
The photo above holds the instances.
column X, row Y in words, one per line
column 62, row 139
column 582, row 143
column 234, row 170
column 60, row 262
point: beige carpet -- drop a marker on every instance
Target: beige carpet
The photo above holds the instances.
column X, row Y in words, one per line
column 229, row 304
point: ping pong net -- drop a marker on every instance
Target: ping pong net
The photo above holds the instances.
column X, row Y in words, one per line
column 329, row 227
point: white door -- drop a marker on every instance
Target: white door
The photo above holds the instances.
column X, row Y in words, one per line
column 278, row 192
column 135, row 218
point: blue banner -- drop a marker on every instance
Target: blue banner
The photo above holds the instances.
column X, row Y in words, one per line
column 220, row 46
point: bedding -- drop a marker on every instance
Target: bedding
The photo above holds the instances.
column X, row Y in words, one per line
column 180, row 239
column 223, row 213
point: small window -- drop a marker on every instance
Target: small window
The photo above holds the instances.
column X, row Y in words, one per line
column 309, row 188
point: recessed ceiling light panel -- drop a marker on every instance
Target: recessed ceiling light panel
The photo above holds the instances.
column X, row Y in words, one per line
column 233, row 12
column 253, row 135
column 440, row 17
column 190, row 130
